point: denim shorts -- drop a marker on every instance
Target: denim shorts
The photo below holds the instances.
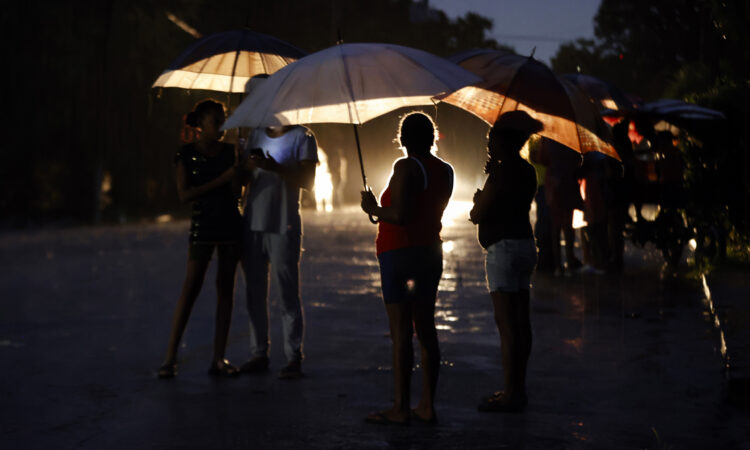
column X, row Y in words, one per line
column 509, row 264
column 411, row 273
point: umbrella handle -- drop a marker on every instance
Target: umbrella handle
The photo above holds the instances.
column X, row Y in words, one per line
column 362, row 169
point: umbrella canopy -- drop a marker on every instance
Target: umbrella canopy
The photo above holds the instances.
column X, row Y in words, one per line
column 677, row 109
column 226, row 61
column 349, row 83
column 607, row 95
column 686, row 116
column 518, row 82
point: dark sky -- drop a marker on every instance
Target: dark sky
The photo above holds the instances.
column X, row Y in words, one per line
column 524, row 24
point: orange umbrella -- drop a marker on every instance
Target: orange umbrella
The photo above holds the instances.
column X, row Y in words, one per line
column 519, row 82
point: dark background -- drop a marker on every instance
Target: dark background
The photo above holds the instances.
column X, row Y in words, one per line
column 80, row 108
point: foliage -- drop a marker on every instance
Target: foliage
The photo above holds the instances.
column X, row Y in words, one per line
column 698, row 51
column 81, row 104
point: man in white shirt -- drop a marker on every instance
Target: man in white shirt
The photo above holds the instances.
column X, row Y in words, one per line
column 283, row 161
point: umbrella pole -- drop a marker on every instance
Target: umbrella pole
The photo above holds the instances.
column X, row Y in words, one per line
column 362, row 167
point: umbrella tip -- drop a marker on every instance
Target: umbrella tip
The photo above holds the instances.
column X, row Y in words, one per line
column 533, row 50
column 339, row 39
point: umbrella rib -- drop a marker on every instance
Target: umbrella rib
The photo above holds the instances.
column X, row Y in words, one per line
column 281, row 83
column 203, row 66
column 349, row 85
column 236, row 60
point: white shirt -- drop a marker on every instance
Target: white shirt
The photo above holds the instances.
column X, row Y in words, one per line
column 272, row 205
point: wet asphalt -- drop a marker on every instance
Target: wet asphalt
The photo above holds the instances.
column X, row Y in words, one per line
column 626, row 360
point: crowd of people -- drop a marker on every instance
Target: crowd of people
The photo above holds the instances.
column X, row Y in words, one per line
column 266, row 175
column 602, row 189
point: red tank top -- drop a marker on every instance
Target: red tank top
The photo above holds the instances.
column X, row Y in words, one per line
column 425, row 225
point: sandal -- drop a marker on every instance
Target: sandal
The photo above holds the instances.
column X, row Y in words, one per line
column 381, row 419
column 417, row 418
column 499, row 404
column 223, row 369
column 497, row 394
column 167, row 371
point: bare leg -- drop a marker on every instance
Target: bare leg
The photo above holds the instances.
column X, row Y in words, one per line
column 523, row 321
column 400, row 321
column 225, row 277
column 191, row 287
column 505, row 318
column 570, row 242
column 556, row 256
column 424, row 322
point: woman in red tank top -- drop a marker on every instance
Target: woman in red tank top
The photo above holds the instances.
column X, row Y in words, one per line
column 411, row 262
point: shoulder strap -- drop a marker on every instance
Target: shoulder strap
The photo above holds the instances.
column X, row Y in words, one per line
column 424, row 172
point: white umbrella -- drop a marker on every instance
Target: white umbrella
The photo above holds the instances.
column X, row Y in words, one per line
column 349, row 83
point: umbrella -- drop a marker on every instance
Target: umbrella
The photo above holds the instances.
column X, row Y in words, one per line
column 226, row 61
column 518, row 82
column 349, row 83
column 687, row 116
column 602, row 92
column 667, row 109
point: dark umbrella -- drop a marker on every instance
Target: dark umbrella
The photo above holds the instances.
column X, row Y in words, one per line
column 226, row 61
column 606, row 94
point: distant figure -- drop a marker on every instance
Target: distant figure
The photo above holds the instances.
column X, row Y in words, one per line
column 563, row 196
column 671, row 170
column 596, row 204
column 622, row 187
column 207, row 177
column 281, row 162
column 501, row 210
column 410, row 253
column 543, row 224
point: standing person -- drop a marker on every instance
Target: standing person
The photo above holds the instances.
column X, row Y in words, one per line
column 596, row 203
column 563, row 195
column 501, row 210
column 206, row 176
column 410, row 253
column 282, row 161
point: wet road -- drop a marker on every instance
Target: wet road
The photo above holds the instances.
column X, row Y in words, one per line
column 624, row 361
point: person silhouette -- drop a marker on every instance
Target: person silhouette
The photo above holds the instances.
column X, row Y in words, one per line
column 501, row 211
column 207, row 177
column 410, row 255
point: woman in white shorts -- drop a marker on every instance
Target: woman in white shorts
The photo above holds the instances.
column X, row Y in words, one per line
column 501, row 209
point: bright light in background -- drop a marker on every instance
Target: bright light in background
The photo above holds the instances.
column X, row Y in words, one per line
column 457, row 212
column 164, row 218
column 578, row 220
column 448, row 246
column 693, row 244
column 323, row 184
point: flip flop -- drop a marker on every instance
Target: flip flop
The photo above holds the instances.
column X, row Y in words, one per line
column 223, row 370
column 381, row 419
column 417, row 418
column 497, row 394
column 493, row 404
column 167, row 371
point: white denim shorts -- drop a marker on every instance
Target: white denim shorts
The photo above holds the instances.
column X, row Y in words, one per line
column 509, row 264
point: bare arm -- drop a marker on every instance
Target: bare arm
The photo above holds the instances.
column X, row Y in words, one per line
column 483, row 201
column 403, row 184
column 302, row 176
column 189, row 193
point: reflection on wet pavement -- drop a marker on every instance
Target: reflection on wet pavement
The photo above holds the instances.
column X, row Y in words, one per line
column 615, row 357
